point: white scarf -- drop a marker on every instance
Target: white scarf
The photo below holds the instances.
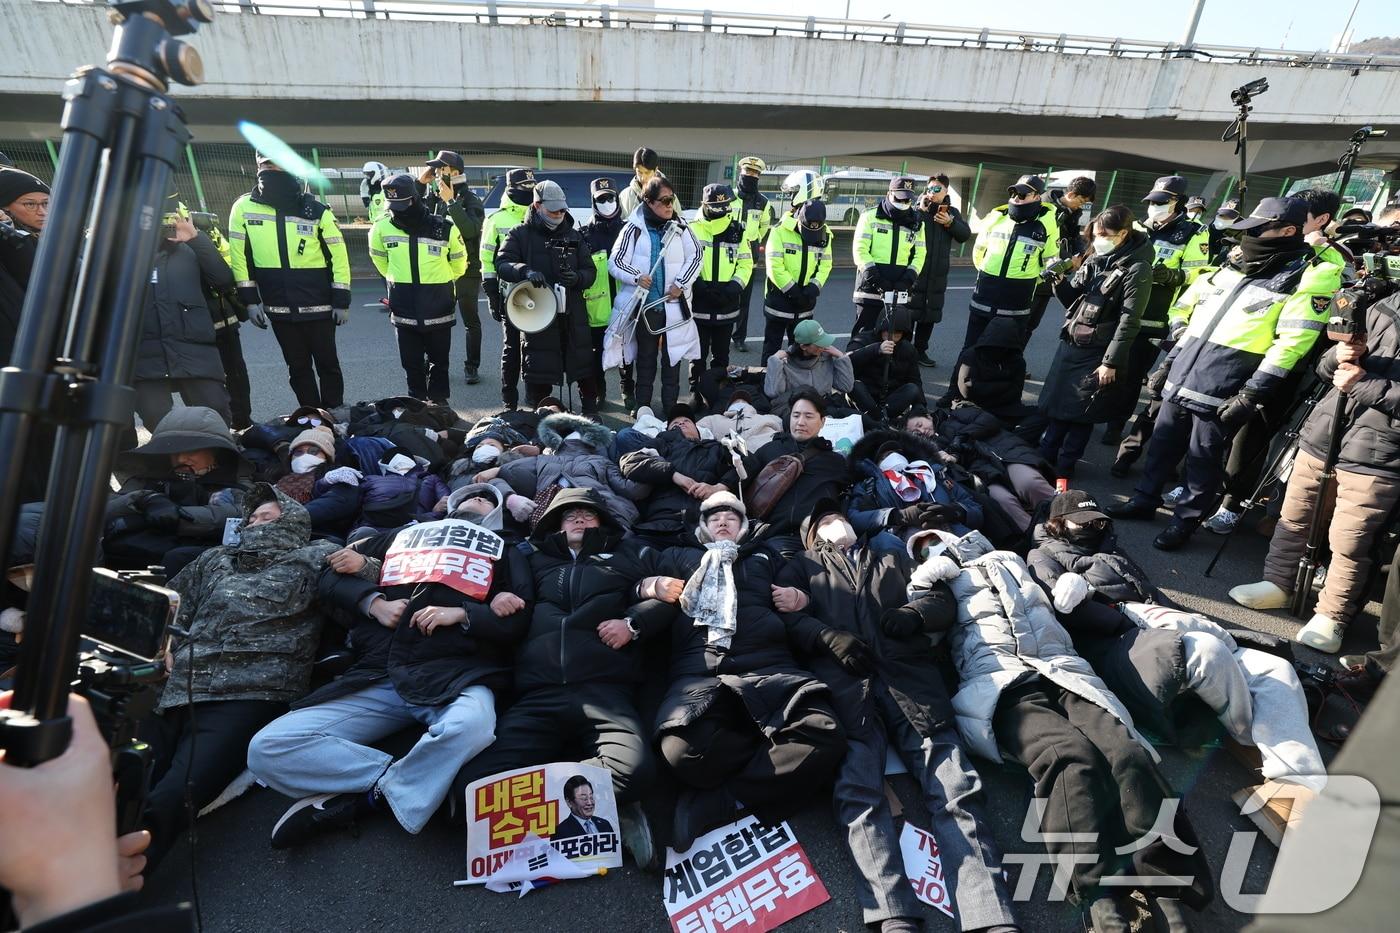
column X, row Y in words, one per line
column 710, row 597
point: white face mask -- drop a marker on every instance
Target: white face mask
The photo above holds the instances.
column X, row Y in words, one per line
column 605, row 208
column 485, row 454
column 1194, row 215
column 1103, row 245
column 305, row 463
column 1158, row 212
column 901, row 205
column 399, row 464
column 838, row 533
column 1220, row 223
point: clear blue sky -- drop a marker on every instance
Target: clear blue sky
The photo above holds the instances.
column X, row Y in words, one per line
column 1293, row 24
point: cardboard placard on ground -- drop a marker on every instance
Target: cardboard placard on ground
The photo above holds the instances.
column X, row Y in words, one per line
column 740, row 878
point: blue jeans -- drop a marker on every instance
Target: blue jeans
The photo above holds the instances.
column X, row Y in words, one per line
column 324, row 749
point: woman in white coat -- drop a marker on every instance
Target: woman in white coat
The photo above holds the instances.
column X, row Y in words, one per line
column 630, row 262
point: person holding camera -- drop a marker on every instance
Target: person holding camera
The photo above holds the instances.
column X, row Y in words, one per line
column 179, row 351
column 1239, row 333
column 450, row 194
column 889, row 251
column 942, row 225
column 547, row 251
column 422, row 257
column 1105, row 298
column 1367, row 483
column 1181, row 247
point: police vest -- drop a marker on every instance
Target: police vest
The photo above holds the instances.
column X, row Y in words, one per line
column 757, row 218
column 878, row 239
column 1234, row 331
column 422, row 268
column 790, row 261
column 724, row 253
column 295, row 265
column 493, row 234
column 1015, row 250
column 378, row 207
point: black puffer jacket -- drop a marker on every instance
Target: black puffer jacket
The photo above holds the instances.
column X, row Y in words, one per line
column 566, row 346
column 931, row 287
column 851, row 594
column 428, row 670
column 882, row 374
column 759, row 664
column 1371, row 443
column 669, row 510
column 177, row 333
column 1145, row 667
column 1105, row 299
column 984, row 447
column 573, row 595
column 992, row 373
column 823, row 477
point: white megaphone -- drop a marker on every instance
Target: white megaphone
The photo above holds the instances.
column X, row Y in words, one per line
column 531, row 309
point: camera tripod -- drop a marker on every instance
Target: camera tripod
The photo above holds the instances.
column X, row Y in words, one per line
column 1242, row 97
column 77, row 341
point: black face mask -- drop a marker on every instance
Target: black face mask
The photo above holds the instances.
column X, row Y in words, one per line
column 1089, row 536
column 1023, row 212
column 1259, row 253
column 748, row 184
column 411, row 216
column 522, row 196
column 279, row 189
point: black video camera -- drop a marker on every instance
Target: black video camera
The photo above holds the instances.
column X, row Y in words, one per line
column 1243, row 95
column 203, row 220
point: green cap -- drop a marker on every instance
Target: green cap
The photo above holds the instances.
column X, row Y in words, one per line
column 810, row 332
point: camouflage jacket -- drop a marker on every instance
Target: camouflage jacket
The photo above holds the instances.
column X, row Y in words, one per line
column 251, row 612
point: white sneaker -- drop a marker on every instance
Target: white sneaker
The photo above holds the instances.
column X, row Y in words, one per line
column 1321, row 634
column 1173, row 497
column 1261, row 595
column 1223, row 521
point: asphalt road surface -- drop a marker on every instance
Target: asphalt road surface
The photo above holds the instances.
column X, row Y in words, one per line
column 383, row 879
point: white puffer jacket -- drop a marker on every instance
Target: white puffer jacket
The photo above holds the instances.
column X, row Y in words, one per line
column 1006, row 633
column 630, row 259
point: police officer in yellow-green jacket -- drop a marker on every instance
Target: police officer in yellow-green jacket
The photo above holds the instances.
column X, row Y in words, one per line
column 889, row 251
column 758, row 216
column 421, row 256
column 1015, row 243
column 726, row 265
column 1240, row 331
column 797, row 258
column 519, row 194
column 291, row 268
column 599, row 235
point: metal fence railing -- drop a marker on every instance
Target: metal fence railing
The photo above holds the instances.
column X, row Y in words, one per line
column 582, row 15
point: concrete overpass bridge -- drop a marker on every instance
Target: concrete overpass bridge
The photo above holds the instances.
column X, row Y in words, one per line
column 602, row 80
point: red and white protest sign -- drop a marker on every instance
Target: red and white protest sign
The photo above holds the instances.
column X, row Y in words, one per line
column 450, row 551
column 924, row 867
column 508, row 811
column 741, row 877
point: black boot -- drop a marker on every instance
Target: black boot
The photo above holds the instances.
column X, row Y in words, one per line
column 1134, row 508
column 1174, row 536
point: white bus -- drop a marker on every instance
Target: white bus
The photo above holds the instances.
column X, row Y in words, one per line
column 852, row 191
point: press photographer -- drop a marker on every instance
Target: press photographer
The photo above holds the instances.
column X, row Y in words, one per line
column 1366, row 371
column 24, row 206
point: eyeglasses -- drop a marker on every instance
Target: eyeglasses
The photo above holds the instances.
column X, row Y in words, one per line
column 666, row 200
column 580, row 515
column 41, row 206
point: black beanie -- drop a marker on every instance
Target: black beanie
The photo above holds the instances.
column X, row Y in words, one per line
column 15, row 184
column 680, row 410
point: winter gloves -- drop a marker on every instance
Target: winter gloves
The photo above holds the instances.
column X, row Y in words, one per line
column 847, row 650
column 1069, row 591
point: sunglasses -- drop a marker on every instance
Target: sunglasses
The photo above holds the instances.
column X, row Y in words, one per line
column 935, row 189
column 666, row 200
column 605, row 198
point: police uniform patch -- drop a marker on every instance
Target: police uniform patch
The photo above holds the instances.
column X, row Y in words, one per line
column 1321, row 303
